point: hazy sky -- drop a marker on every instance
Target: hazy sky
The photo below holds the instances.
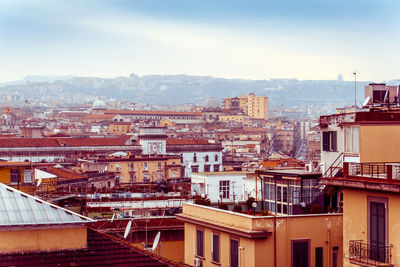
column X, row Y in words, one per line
column 226, row 38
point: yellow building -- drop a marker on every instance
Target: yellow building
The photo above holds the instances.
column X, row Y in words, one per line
column 254, row 106
column 257, row 106
column 24, row 176
column 219, row 237
column 360, row 151
column 144, row 169
column 233, row 117
column 120, row 127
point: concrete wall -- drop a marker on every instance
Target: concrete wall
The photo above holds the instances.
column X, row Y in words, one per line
column 43, row 239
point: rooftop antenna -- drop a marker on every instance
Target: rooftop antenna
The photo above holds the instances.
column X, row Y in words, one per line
column 156, row 241
column 128, row 229
column 355, row 90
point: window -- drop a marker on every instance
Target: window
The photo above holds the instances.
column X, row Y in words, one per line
column 215, row 247
column 195, row 168
column 329, row 141
column 206, row 158
column 234, row 251
column 132, row 178
column 117, row 167
column 216, row 167
column 300, row 253
column 319, row 257
column 351, row 139
column 207, row 168
column 14, row 176
column 335, row 256
column 194, row 158
column 224, row 188
column 159, row 176
column 200, row 243
column 216, row 158
column 159, row 166
column 145, row 166
column 377, row 229
column 145, row 178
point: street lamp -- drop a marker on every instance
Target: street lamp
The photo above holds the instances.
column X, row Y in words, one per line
column 254, row 205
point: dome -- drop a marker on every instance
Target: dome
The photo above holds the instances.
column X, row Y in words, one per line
column 211, row 102
column 99, row 104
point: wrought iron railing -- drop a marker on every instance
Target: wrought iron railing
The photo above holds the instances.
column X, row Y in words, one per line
column 363, row 253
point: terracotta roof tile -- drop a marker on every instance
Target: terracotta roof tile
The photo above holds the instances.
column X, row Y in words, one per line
column 187, row 142
column 101, row 250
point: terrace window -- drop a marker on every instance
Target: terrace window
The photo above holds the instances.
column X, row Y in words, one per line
column 329, row 141
column 351, row 139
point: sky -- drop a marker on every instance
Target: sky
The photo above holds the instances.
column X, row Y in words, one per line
column 251, row 39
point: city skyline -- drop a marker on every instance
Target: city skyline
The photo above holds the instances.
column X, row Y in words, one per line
column 242, row 39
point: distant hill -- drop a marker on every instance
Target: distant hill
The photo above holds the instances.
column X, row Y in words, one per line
column 179, row 89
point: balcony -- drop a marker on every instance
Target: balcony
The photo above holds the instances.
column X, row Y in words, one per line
column 363, row 254
column 375, row 170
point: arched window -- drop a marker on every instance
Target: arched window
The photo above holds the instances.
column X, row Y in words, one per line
column 207, row 158
column 216, row 157
column 194, row 158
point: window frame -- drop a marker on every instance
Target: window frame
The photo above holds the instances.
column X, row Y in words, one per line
column 224, row 187
column 215, row 258
column 199, row 247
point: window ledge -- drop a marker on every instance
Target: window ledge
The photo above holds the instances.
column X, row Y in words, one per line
column 216, row 263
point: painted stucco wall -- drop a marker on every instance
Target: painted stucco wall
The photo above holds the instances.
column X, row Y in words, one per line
column 43, row 239
column 323, row 230
column 380, row 143
column 355, row 220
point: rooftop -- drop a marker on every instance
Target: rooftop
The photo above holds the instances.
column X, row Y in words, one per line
column 19, row 209
column 102, row 249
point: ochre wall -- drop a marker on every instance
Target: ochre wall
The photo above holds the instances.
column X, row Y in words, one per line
column 355, row 220
column 322, row 230
column 379, row 143
column 48, row 239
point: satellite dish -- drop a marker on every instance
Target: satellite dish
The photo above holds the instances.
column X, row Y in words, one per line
column 366, row 101
column 127, row 229
column 39, row 182
column 386, row 96
column 189, row 165
column 303, row 204
column 156, row 241
column 113, row 217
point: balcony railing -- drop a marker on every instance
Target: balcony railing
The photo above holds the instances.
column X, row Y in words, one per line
column 375, row 170
column 367, row 255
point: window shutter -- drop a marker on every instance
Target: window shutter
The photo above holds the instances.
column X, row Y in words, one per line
column 325, row 141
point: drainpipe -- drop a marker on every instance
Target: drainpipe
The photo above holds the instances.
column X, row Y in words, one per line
column 274, row 240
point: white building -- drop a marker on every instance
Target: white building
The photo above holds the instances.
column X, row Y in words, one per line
column 222, row 186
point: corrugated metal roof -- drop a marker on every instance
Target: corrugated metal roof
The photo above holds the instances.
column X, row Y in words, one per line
column 18, row 208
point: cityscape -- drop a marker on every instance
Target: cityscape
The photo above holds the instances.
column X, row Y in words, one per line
column 167, row 133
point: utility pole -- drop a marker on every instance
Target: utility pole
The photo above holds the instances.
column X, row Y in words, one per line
column 355, row 90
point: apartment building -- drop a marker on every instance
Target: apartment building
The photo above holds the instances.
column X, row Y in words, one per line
column 256, row 107
column 226, row 238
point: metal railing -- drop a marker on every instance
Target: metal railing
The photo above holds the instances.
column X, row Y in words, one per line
column 335, row 167
column 375, row 170
column 366, row 254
